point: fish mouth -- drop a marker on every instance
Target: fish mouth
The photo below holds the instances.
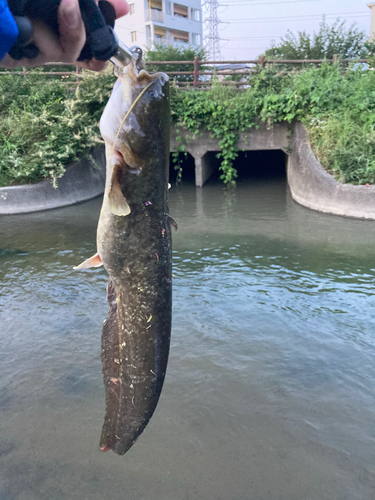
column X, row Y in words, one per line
column 137, row 70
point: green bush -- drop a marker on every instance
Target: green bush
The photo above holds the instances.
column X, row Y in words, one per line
column 338, row 39
column 171, row 53
column 45, row 124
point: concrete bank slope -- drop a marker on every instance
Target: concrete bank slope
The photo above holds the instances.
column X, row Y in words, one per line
column 312, row 187
column 82, row 181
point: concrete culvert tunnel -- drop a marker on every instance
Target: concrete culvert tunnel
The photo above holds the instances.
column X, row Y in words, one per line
column 260, row 164
column 187, row 163
column 257, row 165
column 264, row 155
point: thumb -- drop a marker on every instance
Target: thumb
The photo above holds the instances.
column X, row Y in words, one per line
column 72, row 30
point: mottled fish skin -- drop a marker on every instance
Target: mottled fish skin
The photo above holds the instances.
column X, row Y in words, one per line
column 136, row 251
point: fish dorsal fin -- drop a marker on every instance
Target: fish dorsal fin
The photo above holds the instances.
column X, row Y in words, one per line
column 94, row 261
column 116, row 201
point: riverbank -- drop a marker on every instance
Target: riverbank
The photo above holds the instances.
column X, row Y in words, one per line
column 45, row 125
column 82, row 180
column 310, row 185
column 313, row 187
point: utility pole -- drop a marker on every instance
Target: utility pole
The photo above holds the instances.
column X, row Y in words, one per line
column 212, row 21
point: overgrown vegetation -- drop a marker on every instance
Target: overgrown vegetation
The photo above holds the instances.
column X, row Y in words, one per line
column 44, row 125
column 337, row 39
column 337, row 107
column 171, row 53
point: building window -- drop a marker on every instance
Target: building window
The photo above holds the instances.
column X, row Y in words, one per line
column 196, row 38
column 156, row 5
column 195, row 14
column 134, row 36
column 180, row 10
column 180, row 36
column 131, row 9
column 168, row 8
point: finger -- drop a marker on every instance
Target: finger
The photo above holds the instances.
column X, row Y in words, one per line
column 47, row 42
column 96, row 65
column 92, row 64
column 72, row 30
column 121, row 7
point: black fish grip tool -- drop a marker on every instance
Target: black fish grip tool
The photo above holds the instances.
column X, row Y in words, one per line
column 101, row 40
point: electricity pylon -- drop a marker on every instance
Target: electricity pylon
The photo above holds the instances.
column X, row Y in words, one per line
column 212, row 21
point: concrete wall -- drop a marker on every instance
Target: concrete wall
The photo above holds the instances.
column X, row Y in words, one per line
column 313, row 187
column 81, row 181
column 278, row 137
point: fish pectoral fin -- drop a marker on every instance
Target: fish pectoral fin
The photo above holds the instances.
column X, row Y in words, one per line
column 116, row 201
column 173, row 223
column 94, row 261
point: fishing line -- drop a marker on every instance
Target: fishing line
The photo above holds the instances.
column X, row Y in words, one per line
column 128, row 113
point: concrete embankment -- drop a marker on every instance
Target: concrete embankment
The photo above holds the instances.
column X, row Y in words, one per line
column 82, row 181
column 310, row 185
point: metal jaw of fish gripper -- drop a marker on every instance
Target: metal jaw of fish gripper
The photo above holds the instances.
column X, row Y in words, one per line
column 125, row 56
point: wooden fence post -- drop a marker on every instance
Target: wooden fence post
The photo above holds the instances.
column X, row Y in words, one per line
column 196, row 71
column 24, row 73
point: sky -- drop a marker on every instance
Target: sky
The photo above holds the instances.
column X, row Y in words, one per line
column 249, row 27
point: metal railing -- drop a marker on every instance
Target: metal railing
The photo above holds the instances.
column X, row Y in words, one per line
column 204, row 78
column 154, row 15
column 199, row 77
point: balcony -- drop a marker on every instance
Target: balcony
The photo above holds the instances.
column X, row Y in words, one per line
column 160, row 40
column 157, row 40
column 154, row 15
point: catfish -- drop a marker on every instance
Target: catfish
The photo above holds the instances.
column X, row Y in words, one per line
column 134, row 246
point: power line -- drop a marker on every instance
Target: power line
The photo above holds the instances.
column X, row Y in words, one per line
column 299, row 18
column 253, row 37
column 236, row 3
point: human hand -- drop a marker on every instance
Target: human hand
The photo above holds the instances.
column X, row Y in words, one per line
column 67, row 47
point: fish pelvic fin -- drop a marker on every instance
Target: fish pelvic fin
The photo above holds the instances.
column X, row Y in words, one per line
column 116, row 200
column 94, row 261
column 173, row 223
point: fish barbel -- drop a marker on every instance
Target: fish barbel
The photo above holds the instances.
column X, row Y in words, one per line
column 134, row 245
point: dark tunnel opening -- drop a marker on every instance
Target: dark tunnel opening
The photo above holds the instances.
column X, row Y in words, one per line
column 256, row 165
column 250, row 165
column 186, row 163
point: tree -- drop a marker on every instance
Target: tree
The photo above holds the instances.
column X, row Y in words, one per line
column 171, row 53
column 346, row 42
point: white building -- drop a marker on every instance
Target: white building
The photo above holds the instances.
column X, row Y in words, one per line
column 152, row 22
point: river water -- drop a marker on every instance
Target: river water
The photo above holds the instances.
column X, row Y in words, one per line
column 269, row 393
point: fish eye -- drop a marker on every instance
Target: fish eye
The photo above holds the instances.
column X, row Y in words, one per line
column 152, row 93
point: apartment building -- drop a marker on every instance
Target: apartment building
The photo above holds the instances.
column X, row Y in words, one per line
column 163, row 22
